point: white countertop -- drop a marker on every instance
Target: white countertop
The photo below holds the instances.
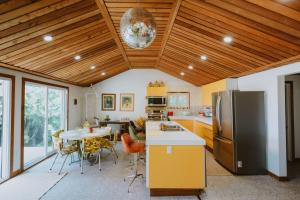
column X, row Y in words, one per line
column 154, row 136
column 206, row 120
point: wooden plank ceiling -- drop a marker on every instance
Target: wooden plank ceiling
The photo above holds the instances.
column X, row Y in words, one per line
column 77, row 27
column 265, row 34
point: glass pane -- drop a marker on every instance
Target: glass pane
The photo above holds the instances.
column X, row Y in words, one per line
column 34, row 122
column 4, row 128
column 55, row 114
column 1, row 128
column 178, row 100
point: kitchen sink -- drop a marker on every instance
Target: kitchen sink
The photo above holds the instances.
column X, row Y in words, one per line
column 167, row 127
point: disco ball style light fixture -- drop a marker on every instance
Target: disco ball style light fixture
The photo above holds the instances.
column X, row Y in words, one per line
column 138, row 29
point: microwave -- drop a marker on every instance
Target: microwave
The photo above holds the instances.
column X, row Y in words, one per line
column 156, row 101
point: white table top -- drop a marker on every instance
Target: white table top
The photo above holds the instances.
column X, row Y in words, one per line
column 154, row 136
column 83, row 133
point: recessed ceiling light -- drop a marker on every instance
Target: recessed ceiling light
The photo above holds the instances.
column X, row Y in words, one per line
column 77, row 57
column 93, row 66
column 227, row 39
column 182, row 73
column 190, row 67
column 47, row 38
column 203, row 57
column 103, row 73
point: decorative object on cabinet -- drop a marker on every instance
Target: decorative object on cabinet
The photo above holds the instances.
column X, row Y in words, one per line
column 107, row 118
column 156, row 84
column 126, row 102
column 108, row 102
column 137, row 28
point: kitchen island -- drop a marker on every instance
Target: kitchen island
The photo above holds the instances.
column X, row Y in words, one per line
column 175, row 161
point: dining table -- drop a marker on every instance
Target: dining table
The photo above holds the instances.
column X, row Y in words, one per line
column 78, row 134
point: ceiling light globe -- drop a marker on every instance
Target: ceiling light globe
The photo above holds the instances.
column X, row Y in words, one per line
column 203, row 57
column 227, row 39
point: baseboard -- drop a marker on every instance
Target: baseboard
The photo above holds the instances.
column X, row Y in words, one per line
column 12, row 174
column 279, row 178
column 297, row 159
column 15, row 173
column 174, row 192
column 209, row 149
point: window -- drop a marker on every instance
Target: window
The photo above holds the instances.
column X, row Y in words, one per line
column 45, row 111
column 178, row 100
column 5, row 109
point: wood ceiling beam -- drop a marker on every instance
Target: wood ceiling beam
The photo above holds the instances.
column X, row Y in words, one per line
column 103, row 9
column 172, row 18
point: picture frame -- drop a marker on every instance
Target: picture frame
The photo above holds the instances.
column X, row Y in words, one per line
column 108, row 102
column 127, row 102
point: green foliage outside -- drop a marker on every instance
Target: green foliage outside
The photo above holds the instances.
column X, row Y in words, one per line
column 35, row 111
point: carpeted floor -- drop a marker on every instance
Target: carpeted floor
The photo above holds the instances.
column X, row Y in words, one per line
column 109, row 184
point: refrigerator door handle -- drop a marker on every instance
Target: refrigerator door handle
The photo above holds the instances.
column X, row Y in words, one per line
column 218, row 113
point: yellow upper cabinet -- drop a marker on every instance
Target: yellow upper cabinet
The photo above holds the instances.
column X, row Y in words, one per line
column 207, row 90
column 157, row 91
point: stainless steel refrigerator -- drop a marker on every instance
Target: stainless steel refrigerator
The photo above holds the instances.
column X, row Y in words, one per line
column 239, row 131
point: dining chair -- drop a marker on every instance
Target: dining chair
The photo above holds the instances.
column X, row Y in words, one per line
column 107, row 144
column 134, row 148
column 136, row 136
column 62, row 149
column 90, row 146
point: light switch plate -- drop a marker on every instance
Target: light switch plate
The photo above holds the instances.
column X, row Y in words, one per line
column 169, row 149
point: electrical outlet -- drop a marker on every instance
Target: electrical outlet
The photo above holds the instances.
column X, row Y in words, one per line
column 240, row 164
column 169, row 149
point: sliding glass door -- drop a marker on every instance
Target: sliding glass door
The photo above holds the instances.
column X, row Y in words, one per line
column 5, row 108
column 44, row 113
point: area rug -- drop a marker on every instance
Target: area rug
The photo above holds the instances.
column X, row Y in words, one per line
column 29, row 185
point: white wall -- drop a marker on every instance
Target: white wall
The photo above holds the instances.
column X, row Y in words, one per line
column 296, row 92
column 75, row 112
column 272, row 82
column 135, row 81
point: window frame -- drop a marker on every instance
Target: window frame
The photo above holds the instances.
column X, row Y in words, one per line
column 180, row 108
column 12, row 79
column 48, row 85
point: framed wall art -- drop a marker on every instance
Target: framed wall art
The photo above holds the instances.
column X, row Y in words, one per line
column 126, row 102
column 108, row 102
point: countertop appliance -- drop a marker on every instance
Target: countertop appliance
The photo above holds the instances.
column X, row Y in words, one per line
column 239, row 131
column 156, row 101
column 156, row 113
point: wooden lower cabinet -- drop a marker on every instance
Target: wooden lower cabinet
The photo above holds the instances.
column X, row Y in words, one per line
column 199, row 128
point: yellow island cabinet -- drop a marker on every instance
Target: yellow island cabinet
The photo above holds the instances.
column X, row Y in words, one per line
column 175, row 161
column 201, row 126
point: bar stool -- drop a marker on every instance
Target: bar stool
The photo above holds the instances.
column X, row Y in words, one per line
column 134, row 148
